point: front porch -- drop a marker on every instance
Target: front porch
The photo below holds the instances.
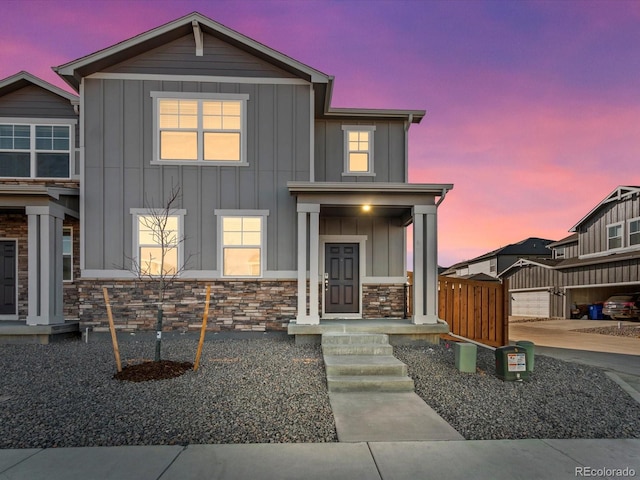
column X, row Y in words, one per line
column 401, row 331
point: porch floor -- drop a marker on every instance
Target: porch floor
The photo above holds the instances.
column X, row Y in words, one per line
column 16, row 331
column 400, row 330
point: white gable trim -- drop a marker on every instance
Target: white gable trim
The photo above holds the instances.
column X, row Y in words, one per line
column 198, row 78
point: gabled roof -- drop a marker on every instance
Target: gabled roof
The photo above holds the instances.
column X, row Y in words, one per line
column 573, row 238
column 618, row 194
column 528, row 246
column 73, row 72
column 24, row 79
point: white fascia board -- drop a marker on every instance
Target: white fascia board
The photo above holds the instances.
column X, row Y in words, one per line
column 314, row 75
column 354, row 187
column 23, row 75
column 414, row 115
column 618, row 194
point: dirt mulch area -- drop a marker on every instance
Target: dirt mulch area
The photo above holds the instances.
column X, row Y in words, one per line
column 624, row 331
column 149, row 371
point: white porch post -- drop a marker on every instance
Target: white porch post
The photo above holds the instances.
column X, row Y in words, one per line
column 313, row 211
column 425, row 264
column 45, row 265
column 314, row 259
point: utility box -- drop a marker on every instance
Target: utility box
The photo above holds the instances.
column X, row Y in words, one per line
column 466, row 354
column 530, row 348
column 511, row 363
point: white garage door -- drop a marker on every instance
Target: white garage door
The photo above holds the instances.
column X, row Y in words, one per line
column 530, row 304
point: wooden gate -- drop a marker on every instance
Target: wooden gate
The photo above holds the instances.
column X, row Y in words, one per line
column 474, row 309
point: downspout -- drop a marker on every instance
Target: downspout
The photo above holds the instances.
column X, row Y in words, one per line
column 441, row 199
column 407, row 125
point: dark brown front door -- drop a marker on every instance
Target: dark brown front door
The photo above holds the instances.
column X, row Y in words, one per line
column 342, row 278
column 7, row 277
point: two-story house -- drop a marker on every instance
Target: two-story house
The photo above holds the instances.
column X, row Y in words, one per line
column 39, row 204
column 292, row 210
column 489, row 265
column 601, row 258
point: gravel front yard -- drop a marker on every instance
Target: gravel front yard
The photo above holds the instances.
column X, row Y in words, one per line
column 266, row 389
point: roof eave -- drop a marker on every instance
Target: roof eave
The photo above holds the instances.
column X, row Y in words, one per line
column 25, row 76
column 73, row 71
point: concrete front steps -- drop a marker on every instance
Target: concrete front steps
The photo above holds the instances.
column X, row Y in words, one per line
column 363, row 362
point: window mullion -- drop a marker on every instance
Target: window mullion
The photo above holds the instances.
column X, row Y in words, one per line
column 33, row 154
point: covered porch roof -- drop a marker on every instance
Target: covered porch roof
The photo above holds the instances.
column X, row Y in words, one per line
column 18, row 197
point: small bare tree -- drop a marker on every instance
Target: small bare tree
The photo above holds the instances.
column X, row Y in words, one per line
column 157, row 260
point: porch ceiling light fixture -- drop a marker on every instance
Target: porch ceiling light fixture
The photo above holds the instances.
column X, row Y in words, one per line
column 366, row 208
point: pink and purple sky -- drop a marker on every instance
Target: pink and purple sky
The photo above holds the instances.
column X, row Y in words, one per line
column 533, row 107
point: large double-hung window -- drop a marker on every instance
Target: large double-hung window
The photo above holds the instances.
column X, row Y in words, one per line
column 35, row 151
column 242, row 242
column 201, row 128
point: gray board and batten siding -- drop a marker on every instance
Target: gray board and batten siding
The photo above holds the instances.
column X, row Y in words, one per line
column 389, row 149
column 593, row 231
column 35, row 102
column 219, row 59
column 119, row 174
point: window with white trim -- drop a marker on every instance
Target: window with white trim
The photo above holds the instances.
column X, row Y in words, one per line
column 35, row 150
column 202, row 128
column 358, row 150
column 634, row 232
column 242, row 242
column 493, row 265
column 614, row 236
column 558, row 252
column 157, row 241
column 67, row 254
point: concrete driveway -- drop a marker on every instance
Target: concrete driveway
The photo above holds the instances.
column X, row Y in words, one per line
column 562, row 334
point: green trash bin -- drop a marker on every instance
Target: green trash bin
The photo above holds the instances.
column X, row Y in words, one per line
column 530, row 348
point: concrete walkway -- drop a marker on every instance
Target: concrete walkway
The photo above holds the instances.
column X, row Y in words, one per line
column 477, row 459
column 387, row 417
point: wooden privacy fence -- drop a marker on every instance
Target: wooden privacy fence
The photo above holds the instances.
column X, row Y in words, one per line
column 474, row 309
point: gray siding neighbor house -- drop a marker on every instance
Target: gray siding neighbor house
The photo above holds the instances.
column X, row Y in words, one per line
column 292, row 210
column 489, row 265
column 39, row 208
column 599, row 259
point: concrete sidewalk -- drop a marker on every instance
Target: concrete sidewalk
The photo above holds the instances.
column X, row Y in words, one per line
column 481, row 459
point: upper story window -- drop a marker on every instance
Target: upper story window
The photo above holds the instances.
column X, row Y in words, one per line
column 242, row 242
column 558, row 252
column 35, row 151
column 493, row 265
column 634, row 232
column 614, row 236
column 358, row 150
column 200, row 128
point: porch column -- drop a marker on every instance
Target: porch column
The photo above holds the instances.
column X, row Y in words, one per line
column 312, row 212
column 425, row 264
column 45, row 265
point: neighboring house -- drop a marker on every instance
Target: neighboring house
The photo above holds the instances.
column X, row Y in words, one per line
column 39, row 208
column 490, row 265
column 291, row 209
column 600, row 259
